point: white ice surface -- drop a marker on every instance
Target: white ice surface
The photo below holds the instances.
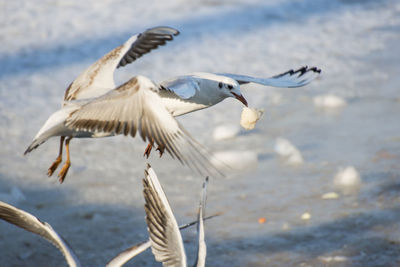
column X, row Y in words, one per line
column 226, row 131
column 99, row 209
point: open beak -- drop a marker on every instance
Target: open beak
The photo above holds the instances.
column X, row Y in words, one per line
column 241, row 99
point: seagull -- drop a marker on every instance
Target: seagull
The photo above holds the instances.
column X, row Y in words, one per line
column 188, row 93
column 32, row 224
column 200, row 90
column 94, row 107
column 165, row 237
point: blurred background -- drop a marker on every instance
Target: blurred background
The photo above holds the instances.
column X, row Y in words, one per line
column 316, row 183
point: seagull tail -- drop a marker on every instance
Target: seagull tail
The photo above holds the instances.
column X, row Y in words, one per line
column 35, row 143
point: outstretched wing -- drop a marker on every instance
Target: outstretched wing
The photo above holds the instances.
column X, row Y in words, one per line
column 291, row 78
column 129, row 253
column 147, row 41
column 165, row 237
column 201, row 247
column 99, row 77
column 32, row 224
column 136, row 107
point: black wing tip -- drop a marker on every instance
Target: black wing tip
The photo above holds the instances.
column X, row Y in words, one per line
column 300, row 71
column 164, row 30
column 160, row 34
column 306, row 69
column 205, row 182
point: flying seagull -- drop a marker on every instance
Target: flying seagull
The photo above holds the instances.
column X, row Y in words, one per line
column 188, row 93
column 166, row 240
column 32, row 224
column 94, row 107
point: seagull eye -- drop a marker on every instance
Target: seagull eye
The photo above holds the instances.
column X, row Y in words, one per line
column 220, row 85
column 230, row 87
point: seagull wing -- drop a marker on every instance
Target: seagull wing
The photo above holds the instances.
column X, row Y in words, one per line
column 166, row 240
column 291, row 78
column 32, row 224
column 136, row 107
column 183, row 86
column 131, row 252
column 202, row 248
column 99, row 77
column 147, row 41
column 128, row 254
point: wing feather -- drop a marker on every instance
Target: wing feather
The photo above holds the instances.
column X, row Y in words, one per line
column 201, row 247
column 99, row 77
column 32, row 224
column 166, row 240
column 291, row 78
column 136, row 107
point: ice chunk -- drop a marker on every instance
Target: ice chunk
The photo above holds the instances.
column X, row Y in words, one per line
column 330, row 195
column 329, row 101
column 285, row 149
column 250, row 116
column 348, row 180
column 236, row 160
column 226, row 131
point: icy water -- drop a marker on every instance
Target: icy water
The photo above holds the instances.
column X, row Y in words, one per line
column 99, row 208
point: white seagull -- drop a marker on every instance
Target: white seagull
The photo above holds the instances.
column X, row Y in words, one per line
column 200, row 90
column 32, row 224
column 166, row 240
column 188, row 93
column 94, row 107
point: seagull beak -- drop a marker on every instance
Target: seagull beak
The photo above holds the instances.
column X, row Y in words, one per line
column 241, row 99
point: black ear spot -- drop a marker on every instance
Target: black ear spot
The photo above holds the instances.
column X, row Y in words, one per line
column 230, row 87
column 220, row 85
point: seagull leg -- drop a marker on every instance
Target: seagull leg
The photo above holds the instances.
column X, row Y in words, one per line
column 58, row 160
column 161, row 150
column 148, row 149
column 67, row 164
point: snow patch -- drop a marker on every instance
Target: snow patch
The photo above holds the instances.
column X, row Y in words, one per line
column 329, row 101
column 237, row 160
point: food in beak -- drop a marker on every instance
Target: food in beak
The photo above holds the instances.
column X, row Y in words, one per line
column 250, row 116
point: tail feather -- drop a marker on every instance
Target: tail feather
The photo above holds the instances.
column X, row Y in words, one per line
column 34, row 145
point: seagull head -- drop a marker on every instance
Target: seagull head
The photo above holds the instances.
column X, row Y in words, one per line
column 230, row 88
